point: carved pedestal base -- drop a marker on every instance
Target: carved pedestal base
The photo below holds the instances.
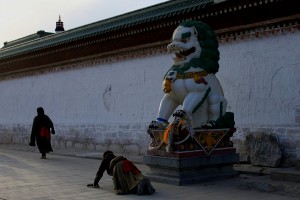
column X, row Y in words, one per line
column 183, row 168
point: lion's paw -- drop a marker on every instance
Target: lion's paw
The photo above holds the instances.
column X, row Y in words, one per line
column 157, row 125
column 179, row 113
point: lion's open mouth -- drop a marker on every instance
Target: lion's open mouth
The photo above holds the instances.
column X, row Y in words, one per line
column 182, row 54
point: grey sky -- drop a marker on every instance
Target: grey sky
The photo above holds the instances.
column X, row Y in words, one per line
column 19, row 18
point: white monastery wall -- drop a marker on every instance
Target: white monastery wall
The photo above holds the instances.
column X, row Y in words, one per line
column 109, row 106
column 261, row 78
column 120, row 92
column 262, row 75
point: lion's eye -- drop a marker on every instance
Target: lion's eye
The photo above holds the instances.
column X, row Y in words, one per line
column 185, row 40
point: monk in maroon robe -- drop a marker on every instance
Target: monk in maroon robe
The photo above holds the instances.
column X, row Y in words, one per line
column 40, row 133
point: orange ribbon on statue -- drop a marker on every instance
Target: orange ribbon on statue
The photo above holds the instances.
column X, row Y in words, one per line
column 170, row 128
column 166, row 133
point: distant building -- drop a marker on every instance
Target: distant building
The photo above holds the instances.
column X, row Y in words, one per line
column 25, row 39
column 59, row 26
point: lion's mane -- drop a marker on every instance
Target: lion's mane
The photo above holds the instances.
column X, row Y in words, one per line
column 208, row 41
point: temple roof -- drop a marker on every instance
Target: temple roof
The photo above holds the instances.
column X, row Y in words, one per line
column 149, row 30
column 146, row 15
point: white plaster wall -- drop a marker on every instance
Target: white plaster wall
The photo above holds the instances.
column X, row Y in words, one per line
column 261, row 79
column 121, row 92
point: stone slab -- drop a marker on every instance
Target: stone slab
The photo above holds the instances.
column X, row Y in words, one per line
column 290, row 175
column 190, row 170
column 297, row 164
column 173, row 162
column 196, row 153
column 252, row 170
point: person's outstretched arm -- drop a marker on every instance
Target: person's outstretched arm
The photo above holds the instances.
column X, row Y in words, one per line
column 99, row 174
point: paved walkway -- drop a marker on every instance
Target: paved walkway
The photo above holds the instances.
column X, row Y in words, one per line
column 23, row 175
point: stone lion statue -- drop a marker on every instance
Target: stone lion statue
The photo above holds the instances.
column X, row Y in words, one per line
column 190, row 85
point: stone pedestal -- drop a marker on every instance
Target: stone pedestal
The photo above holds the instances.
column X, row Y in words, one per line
column 183, row 168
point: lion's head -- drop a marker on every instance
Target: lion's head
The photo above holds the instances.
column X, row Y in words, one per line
column 195, row 44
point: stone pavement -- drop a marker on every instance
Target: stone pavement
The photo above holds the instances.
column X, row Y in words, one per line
column 64, row 175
